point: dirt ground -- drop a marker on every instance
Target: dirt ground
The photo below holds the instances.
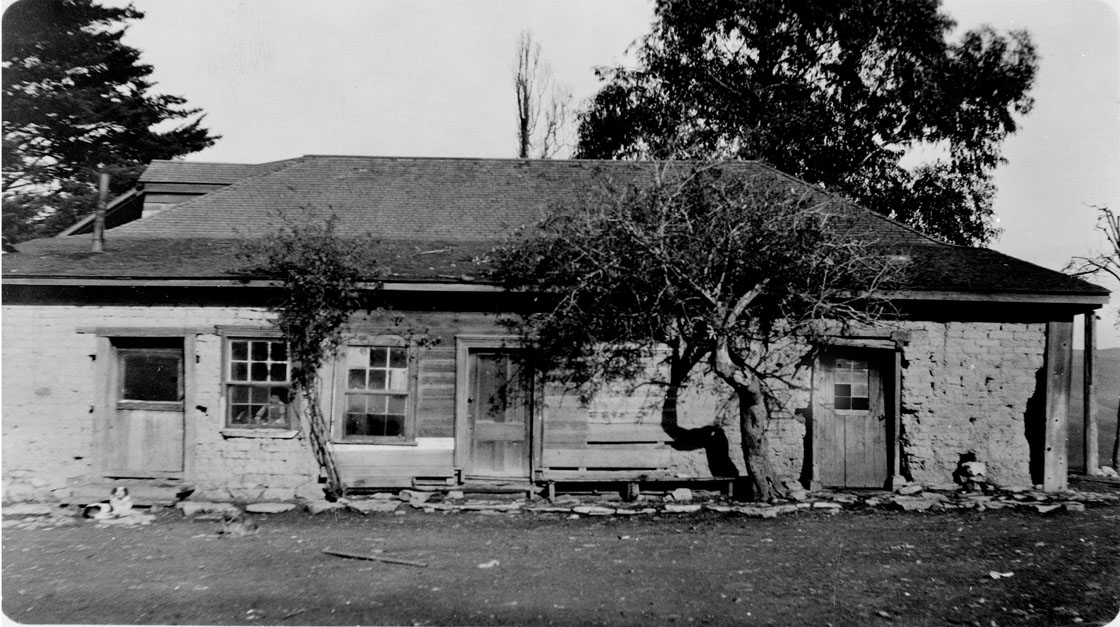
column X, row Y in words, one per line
column 870, row 567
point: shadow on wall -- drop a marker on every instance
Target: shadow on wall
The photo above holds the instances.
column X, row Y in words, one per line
column 711, row 438
column 1034, row 427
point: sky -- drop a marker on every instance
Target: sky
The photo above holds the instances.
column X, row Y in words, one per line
column 283, row 78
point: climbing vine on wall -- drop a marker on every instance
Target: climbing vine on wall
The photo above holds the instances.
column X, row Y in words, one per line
column 322, row 277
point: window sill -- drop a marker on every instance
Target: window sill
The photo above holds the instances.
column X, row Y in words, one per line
column 274, row 434
column 378, row 442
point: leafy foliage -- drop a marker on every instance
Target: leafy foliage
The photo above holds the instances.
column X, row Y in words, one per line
column 77, row 101
column 834, row 93
column 321, row 275
column 728, row 271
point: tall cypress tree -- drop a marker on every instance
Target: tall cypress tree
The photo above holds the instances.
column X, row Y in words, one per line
column 76, row 102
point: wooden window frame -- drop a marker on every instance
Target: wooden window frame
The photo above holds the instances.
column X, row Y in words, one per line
column 228, row 383
column 410, row 393
column 867, row 384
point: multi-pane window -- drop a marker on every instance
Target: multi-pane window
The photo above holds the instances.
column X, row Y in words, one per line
column 851, row 384
column 257, row 384
column 376, row 392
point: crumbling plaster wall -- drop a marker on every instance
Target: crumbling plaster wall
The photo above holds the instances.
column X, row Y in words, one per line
column 966, row 387
column 51, row 390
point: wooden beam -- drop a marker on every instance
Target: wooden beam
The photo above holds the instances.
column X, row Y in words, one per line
column 1088, row 407
column 1059, row 359
column 1075, row 298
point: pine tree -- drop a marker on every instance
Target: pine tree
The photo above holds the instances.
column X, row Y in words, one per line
column 76, row 102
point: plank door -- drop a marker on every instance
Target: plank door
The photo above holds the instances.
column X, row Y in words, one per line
column 145, row 431
column 499, row 409
column 852, row 421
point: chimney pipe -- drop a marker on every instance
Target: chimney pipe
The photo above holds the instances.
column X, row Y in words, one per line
column 99, row 215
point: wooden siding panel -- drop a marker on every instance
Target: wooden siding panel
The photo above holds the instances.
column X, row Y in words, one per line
column 435, row 405
column 403, row 456
column 604, row 457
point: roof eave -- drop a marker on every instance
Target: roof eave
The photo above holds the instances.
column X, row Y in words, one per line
column 391, row 285
column 1049, row 298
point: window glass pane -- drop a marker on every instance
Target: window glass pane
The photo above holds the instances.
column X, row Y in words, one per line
column 398, row 380
column 278, row 372
column 279, row 351
column 239, row 372
column 393, row 425
column 239, row 350
column 239, row 394
column 860, row 403
column 258, row 395
column 377, row 357
column 357, row 357
column 258, row 372
column 395, row 404
column 377, row 380
column 356, row 424
column 357, row 379
column 240, row 414
column 260, row 351
column 843, row 402
column 150, row 376
column 842, row 390
column 355, row 404
column 398, row 358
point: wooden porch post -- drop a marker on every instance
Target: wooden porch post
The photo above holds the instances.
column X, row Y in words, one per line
column 1089, row 408
column 1059, row 359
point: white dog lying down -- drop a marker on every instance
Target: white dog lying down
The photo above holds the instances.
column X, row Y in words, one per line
column 119, row 505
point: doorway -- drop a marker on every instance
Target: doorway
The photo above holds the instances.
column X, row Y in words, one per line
column 145, row 427
column 851, row 419
column 495, row 429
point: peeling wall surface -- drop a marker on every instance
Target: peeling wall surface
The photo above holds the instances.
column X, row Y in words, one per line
column 972, row 387
column 966, row 387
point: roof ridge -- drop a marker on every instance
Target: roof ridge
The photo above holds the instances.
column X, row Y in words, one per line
column 143, row 223
column 852, row 203
column 523, row 160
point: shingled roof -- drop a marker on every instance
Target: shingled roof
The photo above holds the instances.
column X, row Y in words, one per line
column 436, row 218
column 174, row 171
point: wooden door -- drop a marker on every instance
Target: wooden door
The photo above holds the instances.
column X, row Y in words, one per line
column 145, row 430
column 851, row 420
column 499, row 409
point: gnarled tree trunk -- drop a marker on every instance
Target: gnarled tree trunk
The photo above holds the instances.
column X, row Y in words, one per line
column 754, row 418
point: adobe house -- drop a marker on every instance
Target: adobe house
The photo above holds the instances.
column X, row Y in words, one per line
column 157, row 360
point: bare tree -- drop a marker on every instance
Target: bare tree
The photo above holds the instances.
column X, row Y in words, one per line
column 738, row 278
column 543, row 105
column 1107, row 262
